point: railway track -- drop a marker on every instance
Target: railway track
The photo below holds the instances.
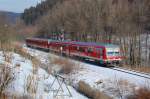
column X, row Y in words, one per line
column 121, row 69
column 132, row 72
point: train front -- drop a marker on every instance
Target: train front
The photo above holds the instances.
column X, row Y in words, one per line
column 113, row 54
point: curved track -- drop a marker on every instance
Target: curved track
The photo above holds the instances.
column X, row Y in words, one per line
column 136, row 73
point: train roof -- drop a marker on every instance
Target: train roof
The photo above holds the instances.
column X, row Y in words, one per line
column 36, row 39
column 107, row 45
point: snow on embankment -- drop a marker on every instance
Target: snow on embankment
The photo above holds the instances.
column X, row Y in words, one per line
column 113, row 83
column 30, row 83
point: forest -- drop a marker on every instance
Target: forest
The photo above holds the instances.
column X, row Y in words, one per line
column 122, row 22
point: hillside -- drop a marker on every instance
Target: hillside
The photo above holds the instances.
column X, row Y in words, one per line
column 11, row 16
column 31, row 14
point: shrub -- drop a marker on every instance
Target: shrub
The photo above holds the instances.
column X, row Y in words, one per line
column 19, row 50
column 86, row 89
column 119, row 87
column 142, row 93
column 14, row 96
column 32, row 84
column 6, row 77
column 7, row 56
column 90, row 92
column 66, row 65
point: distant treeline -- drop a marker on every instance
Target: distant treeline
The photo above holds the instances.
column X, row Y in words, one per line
column 90, row 16
column 117, row 21
column 33, row 13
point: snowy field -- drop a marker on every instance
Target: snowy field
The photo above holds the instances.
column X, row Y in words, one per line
column 25, row 81
column 116, row 84
column 37, row 84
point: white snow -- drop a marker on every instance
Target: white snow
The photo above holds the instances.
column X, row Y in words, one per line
column 40, row 80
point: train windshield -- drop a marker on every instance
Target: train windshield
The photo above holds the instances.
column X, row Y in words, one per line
column 113, row 53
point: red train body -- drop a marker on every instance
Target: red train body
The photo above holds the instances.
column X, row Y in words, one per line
column 103, row 53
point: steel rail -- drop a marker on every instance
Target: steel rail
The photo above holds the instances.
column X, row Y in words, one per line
column 136, row 73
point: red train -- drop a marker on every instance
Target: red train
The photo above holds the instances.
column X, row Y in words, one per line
column 103, row 53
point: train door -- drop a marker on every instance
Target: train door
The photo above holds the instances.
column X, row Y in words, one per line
column 81, row 51
column 73, row 49
column 97, row 52
column 101, row 54
column 67, row 49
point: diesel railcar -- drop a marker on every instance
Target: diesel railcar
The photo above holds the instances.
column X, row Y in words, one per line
column 101, row 52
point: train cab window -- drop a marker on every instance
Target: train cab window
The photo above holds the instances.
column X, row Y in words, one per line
column 117, row 53
column 113, row 53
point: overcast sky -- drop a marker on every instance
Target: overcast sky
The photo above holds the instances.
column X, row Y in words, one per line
column 17, row 5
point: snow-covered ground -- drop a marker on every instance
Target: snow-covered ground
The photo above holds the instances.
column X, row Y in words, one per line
column 26, row 81
column 114, row 83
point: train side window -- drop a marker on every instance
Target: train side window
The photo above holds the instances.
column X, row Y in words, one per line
column 81, row 49
column 90, row 50
column 101, row 52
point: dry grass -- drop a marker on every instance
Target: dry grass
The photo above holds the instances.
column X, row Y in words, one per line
column 35, row 62
column 88, row 91
column 31, row 84
column 19, row 50
column 46, row 67
column 118, row 87
column 6, row 47
column 122, row 86
column 7, row 57
column 6, row 77
column 4, row 96
column 145, row 69
column 16, row 48
column 142, row 93
column 65, row 64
